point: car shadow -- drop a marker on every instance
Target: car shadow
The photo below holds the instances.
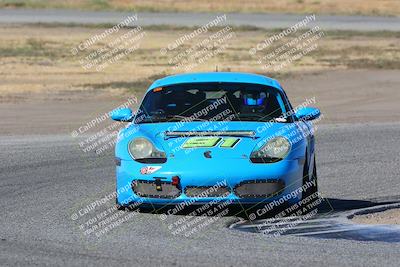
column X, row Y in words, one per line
column 327, row 205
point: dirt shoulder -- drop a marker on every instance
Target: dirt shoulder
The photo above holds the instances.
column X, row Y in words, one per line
column 391, row 216
column 38, row 59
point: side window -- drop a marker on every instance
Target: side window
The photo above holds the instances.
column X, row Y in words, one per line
column 274, row 105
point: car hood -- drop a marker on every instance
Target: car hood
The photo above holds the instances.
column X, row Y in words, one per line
column 182, row 147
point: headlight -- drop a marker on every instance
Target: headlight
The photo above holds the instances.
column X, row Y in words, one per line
column 141, row 148
column 274, row 150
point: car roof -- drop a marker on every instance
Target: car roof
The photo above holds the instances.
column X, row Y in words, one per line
column 201, row 77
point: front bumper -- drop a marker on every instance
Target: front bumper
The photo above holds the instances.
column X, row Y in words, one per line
column 206, row 172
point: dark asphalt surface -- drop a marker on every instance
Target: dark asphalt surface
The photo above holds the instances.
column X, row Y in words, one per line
column 269, row 21
column 45, row 180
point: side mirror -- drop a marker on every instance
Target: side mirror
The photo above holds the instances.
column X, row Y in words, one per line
column 122, row 114
column 308, row 113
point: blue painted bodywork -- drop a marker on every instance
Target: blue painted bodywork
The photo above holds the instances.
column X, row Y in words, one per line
column 230, row 164
column 307, row 113
column 216, row 77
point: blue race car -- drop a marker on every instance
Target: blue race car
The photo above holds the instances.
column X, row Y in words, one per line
column 201, row 137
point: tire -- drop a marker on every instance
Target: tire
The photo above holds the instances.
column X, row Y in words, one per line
column 119, row 207
column 313, row 189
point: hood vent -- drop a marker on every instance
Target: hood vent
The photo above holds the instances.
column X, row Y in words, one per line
column 251, row 134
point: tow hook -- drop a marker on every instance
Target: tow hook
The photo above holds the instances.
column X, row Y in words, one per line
column 158, row 184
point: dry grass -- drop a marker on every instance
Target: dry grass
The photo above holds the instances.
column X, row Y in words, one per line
column 38, row 59
column 364, row 7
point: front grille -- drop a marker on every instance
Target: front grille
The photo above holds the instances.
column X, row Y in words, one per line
column 259, row 188
column 148, row 189
column 206, row 191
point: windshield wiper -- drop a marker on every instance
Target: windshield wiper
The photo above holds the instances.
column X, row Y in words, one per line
column 152, row 119
column 257, row 117
column 168, row 118
column 184, row 118
column 251, row 117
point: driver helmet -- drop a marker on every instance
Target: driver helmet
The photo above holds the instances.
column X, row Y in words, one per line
column 254, row 99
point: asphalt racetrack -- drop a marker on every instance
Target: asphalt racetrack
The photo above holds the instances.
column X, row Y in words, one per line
column 45, row 180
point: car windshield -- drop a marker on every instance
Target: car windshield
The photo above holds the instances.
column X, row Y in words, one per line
column 212, row 102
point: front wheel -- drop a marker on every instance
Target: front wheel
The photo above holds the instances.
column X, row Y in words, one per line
column 118, row 206
column 313, row 189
